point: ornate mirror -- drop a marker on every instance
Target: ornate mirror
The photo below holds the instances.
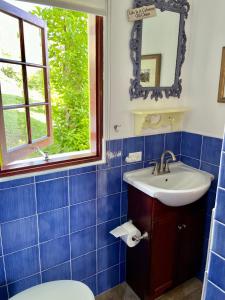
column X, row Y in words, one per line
column 158, row 46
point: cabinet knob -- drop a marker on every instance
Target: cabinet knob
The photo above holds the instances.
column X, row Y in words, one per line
column 180, row 227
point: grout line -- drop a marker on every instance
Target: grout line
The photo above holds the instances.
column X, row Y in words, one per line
column 116, row 265
column 216, row 286
column 56, row 209
column 62, row 236
column 24, row 278
column 20, row 250
column 52, row 179
column 108, row 221
column 3, row 260
column 164, row 142
column 201, row 161
column 56, row 266
column 96, row 234
column 80, row 256
column 181, row 141
column 144, row 150
column 91, row 172
column 45, row 270
column 218, row 255
column 190, row 157
column 89, row 277
column 59, row 266
column 121, row 198
column 201, row 153
column 69, row 211
column 44, row 180
column 221, row 188
column 18, row 186
column 208, row 163
column 17, row 220
column 216, row 221
column 38, row 231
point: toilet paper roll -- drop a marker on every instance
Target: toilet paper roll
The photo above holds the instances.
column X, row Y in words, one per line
column 127, row 232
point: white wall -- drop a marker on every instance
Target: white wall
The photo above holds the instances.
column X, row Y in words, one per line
column 201, row 88
column 121, row 73
column 200, row 73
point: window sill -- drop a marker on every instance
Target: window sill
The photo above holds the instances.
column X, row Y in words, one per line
column 32, row 167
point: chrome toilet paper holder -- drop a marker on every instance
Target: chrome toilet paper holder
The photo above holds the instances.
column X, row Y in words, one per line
column 144, row 236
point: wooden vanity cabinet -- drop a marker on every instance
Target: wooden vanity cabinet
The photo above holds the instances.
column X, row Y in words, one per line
column 172, row 254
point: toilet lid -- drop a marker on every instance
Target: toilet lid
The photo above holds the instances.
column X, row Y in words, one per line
column 57, row 290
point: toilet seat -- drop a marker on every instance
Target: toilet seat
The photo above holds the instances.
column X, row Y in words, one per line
column 57, row 290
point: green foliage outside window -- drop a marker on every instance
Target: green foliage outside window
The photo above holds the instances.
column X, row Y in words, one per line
column 69, row 77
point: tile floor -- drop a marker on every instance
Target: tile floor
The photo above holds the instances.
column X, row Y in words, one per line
column 190, row 290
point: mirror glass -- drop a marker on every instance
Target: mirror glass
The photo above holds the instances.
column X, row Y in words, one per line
column 159, row 49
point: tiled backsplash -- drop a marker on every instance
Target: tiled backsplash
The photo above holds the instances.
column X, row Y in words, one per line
column 56, row 226
column 203, row 153
column 215, row 285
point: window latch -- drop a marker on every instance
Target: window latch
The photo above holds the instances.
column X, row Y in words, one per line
column 43, row 154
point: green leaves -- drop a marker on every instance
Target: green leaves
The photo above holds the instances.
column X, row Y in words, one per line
column 69, row 77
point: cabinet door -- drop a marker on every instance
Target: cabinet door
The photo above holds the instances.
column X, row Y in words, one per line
column 163, row 256
column 138, row 271
column 190, row 238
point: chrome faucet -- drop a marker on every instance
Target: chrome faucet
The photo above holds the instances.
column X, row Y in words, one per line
column 163, row 167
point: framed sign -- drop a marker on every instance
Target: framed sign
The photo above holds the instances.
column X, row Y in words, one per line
column 141, row 13
column 150, row 70
column 221, row 93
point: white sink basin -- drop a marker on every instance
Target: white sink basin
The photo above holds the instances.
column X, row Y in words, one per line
column 184, row 185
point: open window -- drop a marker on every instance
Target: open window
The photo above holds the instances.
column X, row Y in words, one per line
column 22, row 63
column 29, row 123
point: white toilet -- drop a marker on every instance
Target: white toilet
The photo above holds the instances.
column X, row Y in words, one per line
column 57, row 290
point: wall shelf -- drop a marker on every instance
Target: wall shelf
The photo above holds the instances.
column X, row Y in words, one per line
column 159, row 118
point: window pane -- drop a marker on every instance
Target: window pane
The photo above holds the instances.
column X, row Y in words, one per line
column 38, row 122
column 35, row 77
column 9, row 37
column 11, row 80
column 33, row 44
column 16, row 127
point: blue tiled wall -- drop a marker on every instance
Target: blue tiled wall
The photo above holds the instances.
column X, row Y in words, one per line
column 203, row 153
column 56, row 226
column 215, row 276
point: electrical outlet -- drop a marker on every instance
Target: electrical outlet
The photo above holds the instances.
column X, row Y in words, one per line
column 134, row 157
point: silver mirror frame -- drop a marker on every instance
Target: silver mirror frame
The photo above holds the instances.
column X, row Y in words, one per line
column 136, row 90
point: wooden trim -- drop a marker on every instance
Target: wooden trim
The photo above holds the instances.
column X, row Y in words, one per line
column 221, row 94
column 22, row 63
column 16, row 153
column 2, row 135
column 57, row 164
column 16, row 12
column 8, row 107
column 47, row 84
column 100, row 82
column 93, row 80
column 97, row 122
column 25, row 83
